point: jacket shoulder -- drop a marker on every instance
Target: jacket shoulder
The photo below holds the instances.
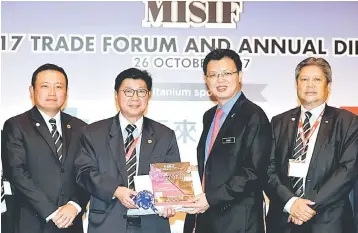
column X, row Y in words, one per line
column 76, row 121
column 285, row 114
column 100, row 126
column 252, row 108
column 157, row 126
column 19, row 119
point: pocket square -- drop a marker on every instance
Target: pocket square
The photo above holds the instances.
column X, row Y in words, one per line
column 228, row 140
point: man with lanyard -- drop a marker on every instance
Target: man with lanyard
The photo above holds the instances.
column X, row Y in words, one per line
column 313, row 163
column 115, row 150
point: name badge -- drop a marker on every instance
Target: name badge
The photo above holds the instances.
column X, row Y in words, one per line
column 297, row 168
column 228, row 140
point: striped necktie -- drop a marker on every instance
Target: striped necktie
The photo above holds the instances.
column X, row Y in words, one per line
column 56, row 138
column 299, row 153
column 131, row 163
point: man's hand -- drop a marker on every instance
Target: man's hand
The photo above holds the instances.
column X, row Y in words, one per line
column 200, row 204
column 65, row 216
column 168, row 212
column 301, row 210
column 125, row 197
column 294, row 220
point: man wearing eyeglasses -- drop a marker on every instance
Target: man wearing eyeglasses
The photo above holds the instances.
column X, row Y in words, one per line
column 115, row 150
column 232, row 154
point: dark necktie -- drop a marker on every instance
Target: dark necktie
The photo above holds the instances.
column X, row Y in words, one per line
column 299, row 153
column 56, row 138
column 2, row 192
column 131, row 163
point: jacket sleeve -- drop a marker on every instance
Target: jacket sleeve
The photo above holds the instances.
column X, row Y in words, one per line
column 88, row 176
column 341, row 181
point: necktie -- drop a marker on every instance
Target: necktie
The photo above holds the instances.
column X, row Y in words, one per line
column 2, row 190
column 131, row 163
column 214, row 134
column 299, row 153
column 3, row 203
column 56, row 138
column 216, row 128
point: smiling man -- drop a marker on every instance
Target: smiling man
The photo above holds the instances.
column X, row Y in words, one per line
column 39, row 155
column 115, row 150
column 232, row 154
column 313, row 163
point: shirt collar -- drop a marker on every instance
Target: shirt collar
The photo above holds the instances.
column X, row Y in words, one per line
column 228, row 106
column 315, row 112
column 124, row 122
column 47, row 118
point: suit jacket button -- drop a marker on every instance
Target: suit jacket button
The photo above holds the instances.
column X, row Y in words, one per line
column 62, row 170
column 124, row 216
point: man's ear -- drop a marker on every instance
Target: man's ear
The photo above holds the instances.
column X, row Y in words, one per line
column 31, row 90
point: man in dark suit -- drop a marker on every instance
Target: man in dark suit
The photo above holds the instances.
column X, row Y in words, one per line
column 313, row 163
column 115, row 150
column 39, row 155
column 232, row 154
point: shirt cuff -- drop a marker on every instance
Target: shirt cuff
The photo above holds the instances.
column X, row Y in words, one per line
column 77, row 206
column 51, row 216
column 289, row 204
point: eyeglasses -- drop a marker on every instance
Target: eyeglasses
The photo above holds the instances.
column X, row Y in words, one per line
column 130, row 92
column 224, row 74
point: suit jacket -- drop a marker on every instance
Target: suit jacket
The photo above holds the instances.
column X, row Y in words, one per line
column 331, row 174
column 234, row 172
column 41, row 182
column 101, row 169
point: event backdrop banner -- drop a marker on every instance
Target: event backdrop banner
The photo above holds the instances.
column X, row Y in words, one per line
column 95, row 41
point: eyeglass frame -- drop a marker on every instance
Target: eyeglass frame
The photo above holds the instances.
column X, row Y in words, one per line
column 224, row 74
column 134, row 91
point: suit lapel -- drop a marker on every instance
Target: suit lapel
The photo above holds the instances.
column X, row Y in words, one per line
column 146, row 147
column 116, row 146
column 40, row 124
column 201, row 146
column 66, row 134
column 292, row 126
column 325, row 125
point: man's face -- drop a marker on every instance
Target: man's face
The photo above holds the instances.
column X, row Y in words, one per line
column 312, row 87
column 132, row 107
column 223, row 80
column 50, row 91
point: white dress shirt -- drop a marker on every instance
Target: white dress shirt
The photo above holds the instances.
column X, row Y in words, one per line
column 57, row 117
column 136, row 133
column 316, row 112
